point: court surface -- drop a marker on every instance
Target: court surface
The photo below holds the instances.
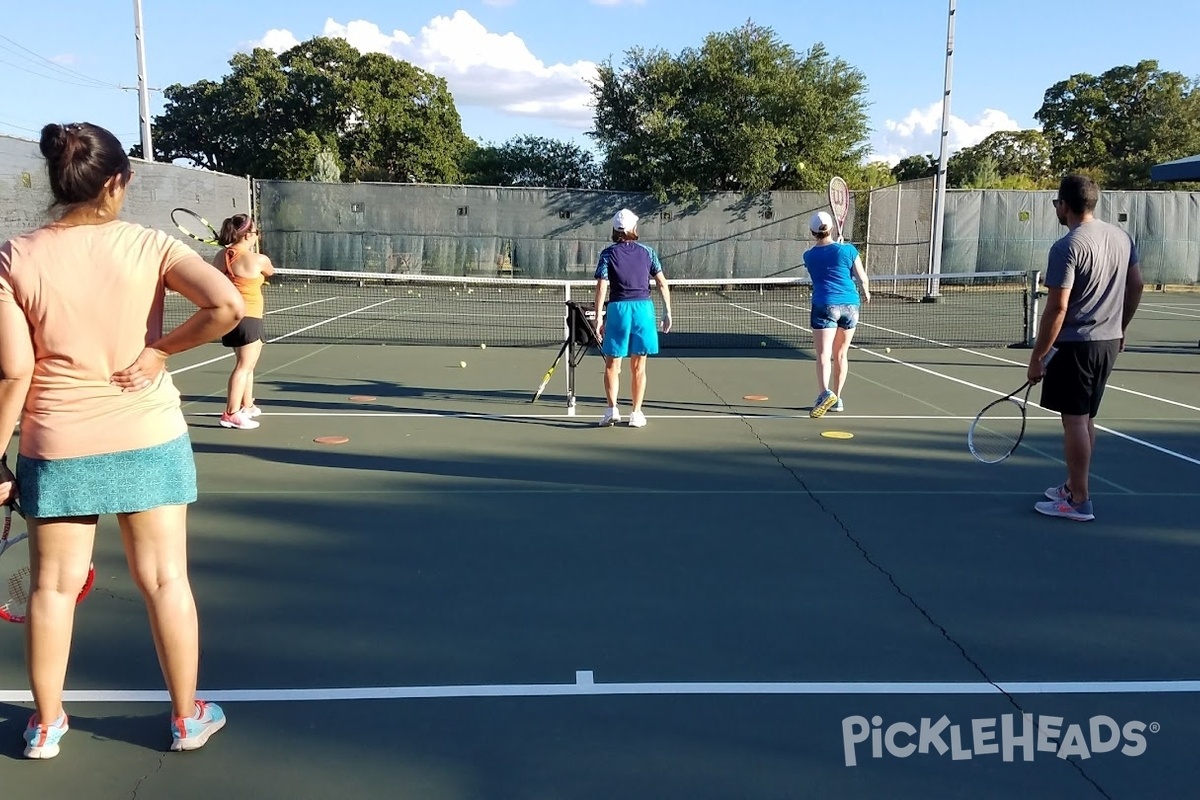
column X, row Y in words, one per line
column 477, row 597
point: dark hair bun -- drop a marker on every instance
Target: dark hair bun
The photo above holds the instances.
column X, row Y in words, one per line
column 54, row 141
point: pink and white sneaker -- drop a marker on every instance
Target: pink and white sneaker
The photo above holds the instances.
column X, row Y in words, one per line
column 239, row 419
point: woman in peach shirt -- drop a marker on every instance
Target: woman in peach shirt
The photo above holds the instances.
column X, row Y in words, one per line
column 83, row 365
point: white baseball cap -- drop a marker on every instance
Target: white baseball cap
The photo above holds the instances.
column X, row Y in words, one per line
column 820, row 222
column 625, row 220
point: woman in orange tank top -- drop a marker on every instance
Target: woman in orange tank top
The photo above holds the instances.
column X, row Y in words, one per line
column 248, row 270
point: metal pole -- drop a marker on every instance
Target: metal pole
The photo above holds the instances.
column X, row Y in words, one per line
column 939, row 206
column 143, row 90
column 899, row 214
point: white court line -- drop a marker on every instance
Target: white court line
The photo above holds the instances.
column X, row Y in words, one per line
column 1118, row 434
column 302, row 305
column 586, row 686
column 1172, row 313
column 285, row 336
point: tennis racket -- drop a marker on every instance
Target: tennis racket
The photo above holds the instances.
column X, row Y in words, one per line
column 189, row 221
column 550, row 372
column 14, row 565
column 999, row 428
column 839, row 203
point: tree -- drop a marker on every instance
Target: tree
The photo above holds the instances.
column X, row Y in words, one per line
column 915, row 167
column 326, row 168
column 743, row 112
column 873, row 175
column 532, row 161
column 272, row 115
column 1004, row 157
column 1121, row 122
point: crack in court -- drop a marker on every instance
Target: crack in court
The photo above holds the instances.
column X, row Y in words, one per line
column 891, row 579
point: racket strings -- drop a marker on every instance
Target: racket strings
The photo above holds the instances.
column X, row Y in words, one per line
column 18, row 591
column 997, row 431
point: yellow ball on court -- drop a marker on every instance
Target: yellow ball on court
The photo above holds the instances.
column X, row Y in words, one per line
column 887, row 349
column 483, row 346
column 462, row 364
column 762, row 344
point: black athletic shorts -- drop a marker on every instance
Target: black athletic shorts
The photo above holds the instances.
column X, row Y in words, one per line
column 1076, row 376
column 248, row 331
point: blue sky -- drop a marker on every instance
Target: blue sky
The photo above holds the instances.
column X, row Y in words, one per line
column 518, row 66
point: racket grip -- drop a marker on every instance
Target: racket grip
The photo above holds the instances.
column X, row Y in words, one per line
column 1049, row 356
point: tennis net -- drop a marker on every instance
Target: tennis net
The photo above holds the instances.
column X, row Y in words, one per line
column 318, row 306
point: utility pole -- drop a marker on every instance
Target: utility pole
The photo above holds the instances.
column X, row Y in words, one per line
column 939, row 204
column 143, row 89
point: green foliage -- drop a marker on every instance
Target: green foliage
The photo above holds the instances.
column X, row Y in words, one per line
column 915, row 167
column 532, row 161
column 873, row 175
column 743, row 112
column 1121, row 122
column 1008, row 158
column 326, row 168
column 272, row 115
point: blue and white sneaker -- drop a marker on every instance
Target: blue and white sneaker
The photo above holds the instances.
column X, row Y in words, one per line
column 190, row 733
column 825, row 401
column 838, row 405
column 41, row 741
column 1080, row 512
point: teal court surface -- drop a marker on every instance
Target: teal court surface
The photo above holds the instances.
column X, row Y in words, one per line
column 479, row 597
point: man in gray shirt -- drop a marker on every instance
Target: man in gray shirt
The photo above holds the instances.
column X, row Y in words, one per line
column 1094, row 287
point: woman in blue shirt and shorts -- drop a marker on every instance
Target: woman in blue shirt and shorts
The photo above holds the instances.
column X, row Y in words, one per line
column 835, row 302
column 627, row 325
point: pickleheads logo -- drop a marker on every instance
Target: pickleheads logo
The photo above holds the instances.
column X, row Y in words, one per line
column 1005, row 737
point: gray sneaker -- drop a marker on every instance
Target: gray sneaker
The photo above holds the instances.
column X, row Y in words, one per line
column 1058, row 493
column 1080, row 512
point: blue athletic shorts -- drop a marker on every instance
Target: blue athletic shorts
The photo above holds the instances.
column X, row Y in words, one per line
column 630, row 328
column 844, row 315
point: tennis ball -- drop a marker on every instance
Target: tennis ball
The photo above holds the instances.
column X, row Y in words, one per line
column 887, row 349
column 762, row 344
column 482, row 346
column 462, row 364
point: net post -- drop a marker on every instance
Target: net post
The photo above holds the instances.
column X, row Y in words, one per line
column 1033, row 307
column 571, row 378
column 566, row 310
column 569, row 334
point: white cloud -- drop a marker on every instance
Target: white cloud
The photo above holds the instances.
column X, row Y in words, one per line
column 276, row 40
column 65, row 60
column 484, row 69
column 921, row 131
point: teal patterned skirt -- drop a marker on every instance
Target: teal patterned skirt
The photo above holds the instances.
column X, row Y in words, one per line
column 110, row 483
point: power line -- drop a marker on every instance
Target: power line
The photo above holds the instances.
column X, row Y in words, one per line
column 94, row 85
column 54, row 65
column 18, row 127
